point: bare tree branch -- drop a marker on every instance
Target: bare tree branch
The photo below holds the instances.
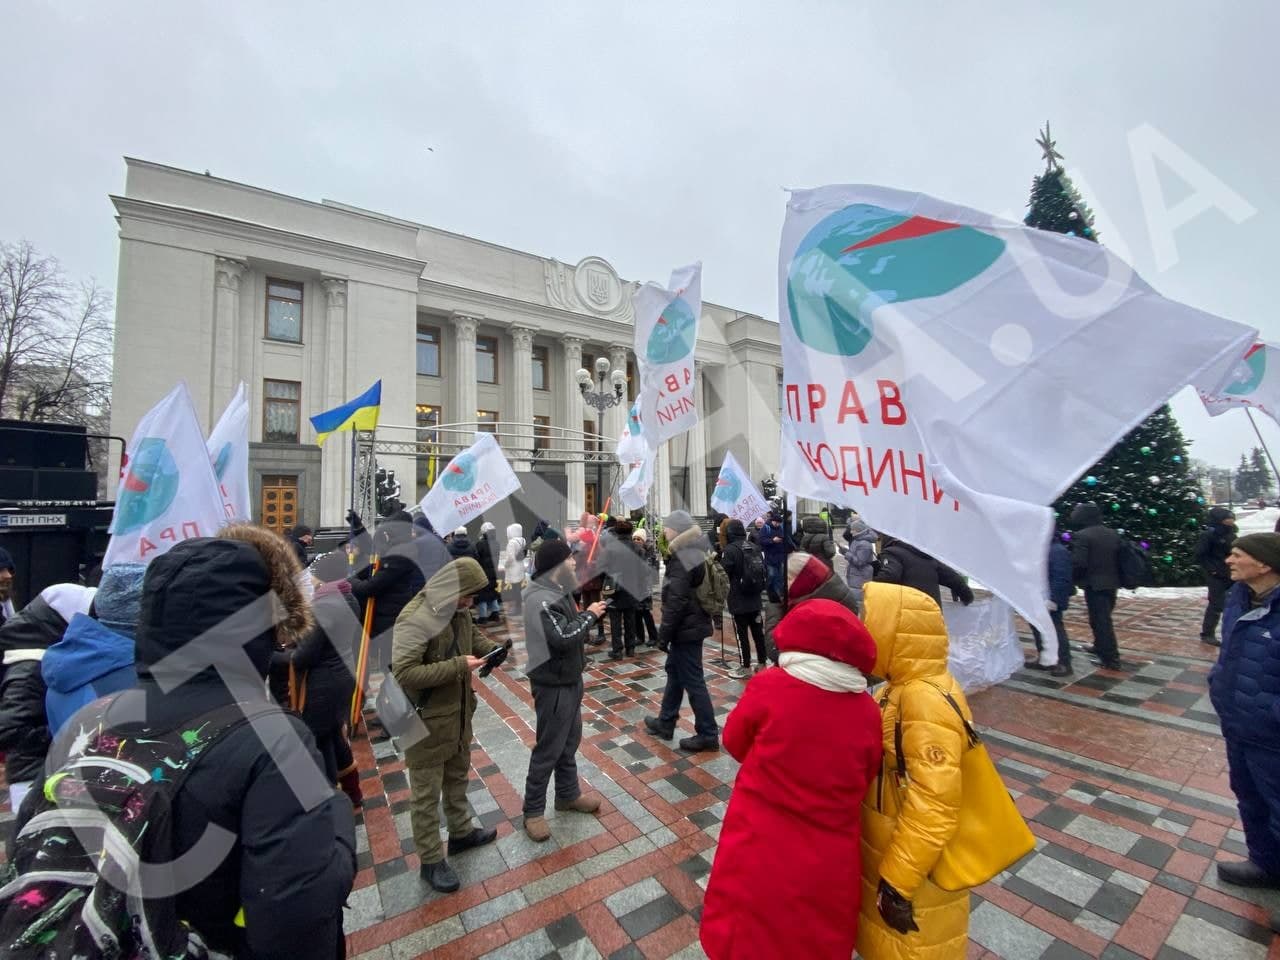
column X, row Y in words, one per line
column 55, row 342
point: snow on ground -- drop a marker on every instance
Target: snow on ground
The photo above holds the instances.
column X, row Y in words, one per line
column 1259, row 521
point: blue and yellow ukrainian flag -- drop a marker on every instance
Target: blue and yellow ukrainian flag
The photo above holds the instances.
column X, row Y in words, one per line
column 358, row 414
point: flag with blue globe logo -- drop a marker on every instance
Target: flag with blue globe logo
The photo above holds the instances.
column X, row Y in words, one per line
column 471, row 483
column 666, row 341
column 948, row 374
column 1253, row 383
column 228, row 446
column 167, row 491
column 735, row 495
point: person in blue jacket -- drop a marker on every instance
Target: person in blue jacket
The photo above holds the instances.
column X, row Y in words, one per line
column 1244, row 686
column 95, row 655
column 1061, row 589
column 775, row 544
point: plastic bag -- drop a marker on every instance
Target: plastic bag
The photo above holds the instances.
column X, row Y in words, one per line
column 983, row 645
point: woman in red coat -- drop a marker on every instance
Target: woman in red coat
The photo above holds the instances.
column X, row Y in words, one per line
column 787, row 877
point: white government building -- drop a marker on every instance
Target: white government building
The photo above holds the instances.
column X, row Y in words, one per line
column 310, row 303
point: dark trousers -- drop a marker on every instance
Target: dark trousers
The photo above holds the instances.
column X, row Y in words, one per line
column 684, row 675
column 559, row 731
column 1218, row 587
column 1101, row 603
column 1255, row 780
column 748, row 627
column 645, row 616
column 624, row 628
column 1064, row 645
column 589, row 597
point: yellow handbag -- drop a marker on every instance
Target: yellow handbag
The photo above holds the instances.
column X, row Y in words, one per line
column 990, row 833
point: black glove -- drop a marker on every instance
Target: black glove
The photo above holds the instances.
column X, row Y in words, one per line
column 895, row 911
column 964, row 596
column 497, row 660
column 355, row 523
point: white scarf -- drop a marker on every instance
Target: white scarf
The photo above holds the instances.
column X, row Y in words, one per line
column 823, row 673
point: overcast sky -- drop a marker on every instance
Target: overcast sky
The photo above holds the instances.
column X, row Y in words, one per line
column 654, row 133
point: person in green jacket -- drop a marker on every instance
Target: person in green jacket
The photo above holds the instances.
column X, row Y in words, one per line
column 436, row 647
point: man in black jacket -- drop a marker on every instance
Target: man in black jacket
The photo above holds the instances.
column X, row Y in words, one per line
column 8, row 570
column 744, row 596
column 301, row 538
column 903, row 564
column 275, row 888
column 1211, row 553
column 398, row 579
column 1095, row 564
column 685, row 624
column 555, row 634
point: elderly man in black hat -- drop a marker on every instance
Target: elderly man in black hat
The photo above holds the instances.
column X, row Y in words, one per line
column 555, row 635
column 1244, row 686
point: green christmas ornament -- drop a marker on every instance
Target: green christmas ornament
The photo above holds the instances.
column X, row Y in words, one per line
column 1145, row 451
column 1115, row 506
column 1152, row 511
column 1168, row 558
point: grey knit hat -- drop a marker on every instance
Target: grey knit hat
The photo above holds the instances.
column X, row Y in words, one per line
column 678, row 520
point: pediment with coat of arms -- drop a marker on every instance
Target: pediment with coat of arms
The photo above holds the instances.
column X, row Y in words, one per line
column 590, row 287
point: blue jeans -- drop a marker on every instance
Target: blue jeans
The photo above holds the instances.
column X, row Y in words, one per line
column 684, row 675
column 486, row 608
column 773, row 574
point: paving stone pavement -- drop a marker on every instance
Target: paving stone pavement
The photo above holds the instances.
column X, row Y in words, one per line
column 1122, row 776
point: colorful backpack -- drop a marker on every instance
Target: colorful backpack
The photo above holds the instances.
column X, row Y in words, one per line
column 93, row 863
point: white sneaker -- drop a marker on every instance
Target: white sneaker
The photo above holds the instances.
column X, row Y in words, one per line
column 739, row 673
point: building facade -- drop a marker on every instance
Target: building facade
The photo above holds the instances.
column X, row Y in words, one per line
column 309, row 303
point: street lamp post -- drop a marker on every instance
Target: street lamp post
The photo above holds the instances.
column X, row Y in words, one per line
column 601, row 400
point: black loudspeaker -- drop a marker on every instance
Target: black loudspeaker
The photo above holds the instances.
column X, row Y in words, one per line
column 57, row 484
column 65, row 451
column 17, row 483
column 17, row 447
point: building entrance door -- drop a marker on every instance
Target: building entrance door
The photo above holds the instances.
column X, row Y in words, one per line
column 280, row 503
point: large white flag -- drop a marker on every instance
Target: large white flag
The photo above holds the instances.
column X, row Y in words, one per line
column 168, row 492
column 735, row 494
column 1253, row 382
column 666, row 340
column 228, row 446
column 470, row 484
column 948, row 373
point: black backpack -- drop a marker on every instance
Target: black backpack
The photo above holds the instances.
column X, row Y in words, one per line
column 754, row 576
column 1135, row 568
column 101, row 828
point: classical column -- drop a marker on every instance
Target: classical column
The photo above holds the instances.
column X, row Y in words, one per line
column 570, row 418
column 335, row 455
column 226, row 331
column 464, row 370
column 661, row 494
column 521, row 415
column 696, row 458
column 615, row 417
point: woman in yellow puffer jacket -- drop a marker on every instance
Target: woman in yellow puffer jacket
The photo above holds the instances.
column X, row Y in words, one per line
column 905, row 828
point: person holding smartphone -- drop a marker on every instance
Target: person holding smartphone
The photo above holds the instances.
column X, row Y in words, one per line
column 556, row 632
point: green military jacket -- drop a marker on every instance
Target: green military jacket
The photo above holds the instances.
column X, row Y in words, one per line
column 429, row 650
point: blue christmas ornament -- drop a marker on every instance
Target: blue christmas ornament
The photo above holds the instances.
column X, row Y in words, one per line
column 1177, row 458
column 1200, row 500
column 1091, row 481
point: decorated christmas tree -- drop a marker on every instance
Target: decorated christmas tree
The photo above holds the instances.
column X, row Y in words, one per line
column 1143, row 484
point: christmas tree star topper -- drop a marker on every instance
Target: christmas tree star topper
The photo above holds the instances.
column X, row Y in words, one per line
column 1047, row 145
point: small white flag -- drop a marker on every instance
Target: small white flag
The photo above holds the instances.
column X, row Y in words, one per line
column 1253, row 383
column 666, row 340
column 735, row 494
column 470, row 484
column 168, row 491
column 634, row 491
column 229, row 452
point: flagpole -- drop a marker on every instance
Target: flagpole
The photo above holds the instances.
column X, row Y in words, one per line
column 353, row 471
column 1254, row 424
